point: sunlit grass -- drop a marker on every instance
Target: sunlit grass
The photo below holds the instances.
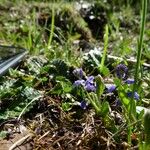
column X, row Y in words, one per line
column 54, row 54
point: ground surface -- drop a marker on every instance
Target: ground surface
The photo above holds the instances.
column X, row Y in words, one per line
column 40, row 107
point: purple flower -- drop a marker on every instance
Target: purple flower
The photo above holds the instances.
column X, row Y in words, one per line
column 129, row 81
column 90, row 80
column 110, row 88
column 90, row 84
column 122, row 71
column 90, row 87
column 136, row 95
column 83, row 104
column 78, row 73
column 79, row 83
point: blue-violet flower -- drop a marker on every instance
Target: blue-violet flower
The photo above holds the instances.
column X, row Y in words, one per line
column 89, row 84
column 90, row 80
column 136, row 95
column 122, row 71
column 83, row 104
column 90, row 87
column 79, row 83
column 129, row 81
column 78, row 73
column 110, row 88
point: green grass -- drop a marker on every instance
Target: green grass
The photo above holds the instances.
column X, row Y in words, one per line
column 54, row 52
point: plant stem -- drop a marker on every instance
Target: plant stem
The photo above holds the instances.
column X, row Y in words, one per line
column 105, row 47
column 34, row 99
column 139, row 54
column 132, row 109
column 52, row 27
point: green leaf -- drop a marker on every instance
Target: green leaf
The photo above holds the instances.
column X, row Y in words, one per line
column 66, row 106
column 66, row 84
column 133, row 106
column 61, row 67
column 117, row 82
column 20, row 98
column 105, row 71
column 105, row 109
column 63, row 85
column 123, row 98
column 78, row 91
column 58, row 89
column 94, row 100
column 100, row 86
column 102, row 68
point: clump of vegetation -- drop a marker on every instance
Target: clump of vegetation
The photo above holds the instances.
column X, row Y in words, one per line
column 79, row 87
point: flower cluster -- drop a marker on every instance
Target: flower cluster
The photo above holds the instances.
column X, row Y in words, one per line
column 88, row 84
column 122, row 73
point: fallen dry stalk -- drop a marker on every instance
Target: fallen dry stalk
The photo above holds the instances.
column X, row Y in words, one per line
column 133, row 61
column 19, row 142
column 45, row 134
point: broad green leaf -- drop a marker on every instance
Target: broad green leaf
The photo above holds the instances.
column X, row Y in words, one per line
column 66, row 84
column 20, row 98
column 105, row 109
column 123, row 98
column 100, row 86
column 105, row 71
column 63, row 85
column 61, row 67
column 58, row 89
